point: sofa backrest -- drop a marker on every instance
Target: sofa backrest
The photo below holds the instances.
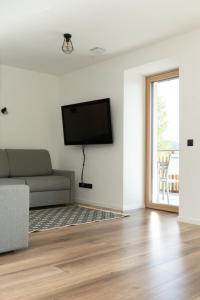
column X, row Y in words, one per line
column 29, row 162
column 4, row 167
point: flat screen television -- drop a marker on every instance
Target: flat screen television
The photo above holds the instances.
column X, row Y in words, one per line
column 87, row 123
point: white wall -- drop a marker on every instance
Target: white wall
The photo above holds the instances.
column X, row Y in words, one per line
column 190, row 128
column 105, row 164
column 31, row 99
column 134, row 140
column 0, row 102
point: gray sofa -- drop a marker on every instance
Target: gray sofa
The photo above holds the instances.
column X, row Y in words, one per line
column 33, row 168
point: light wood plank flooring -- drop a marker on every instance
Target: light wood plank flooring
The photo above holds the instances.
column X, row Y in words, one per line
column 145, row 256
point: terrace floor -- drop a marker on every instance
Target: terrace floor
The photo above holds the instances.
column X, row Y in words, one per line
column 173, row 199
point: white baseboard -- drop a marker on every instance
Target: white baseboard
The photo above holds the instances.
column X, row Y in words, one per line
column 132, row 211
column 98, row 204
column 189, row 220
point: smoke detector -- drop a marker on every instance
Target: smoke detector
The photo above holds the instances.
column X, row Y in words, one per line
column 97, row 51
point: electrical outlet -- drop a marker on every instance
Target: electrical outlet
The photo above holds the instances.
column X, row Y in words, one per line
column 85, row 185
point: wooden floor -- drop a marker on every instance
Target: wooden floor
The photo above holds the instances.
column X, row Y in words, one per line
column 145, row 256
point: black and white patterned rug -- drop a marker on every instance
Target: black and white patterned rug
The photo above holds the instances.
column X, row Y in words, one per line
column 56, row 217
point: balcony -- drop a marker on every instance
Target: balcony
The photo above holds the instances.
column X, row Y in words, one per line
column 168, row 177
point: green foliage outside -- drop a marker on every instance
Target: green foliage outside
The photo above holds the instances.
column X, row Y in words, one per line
column 162, row 123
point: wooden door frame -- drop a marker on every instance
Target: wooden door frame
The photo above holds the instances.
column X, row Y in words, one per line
column 148, row 188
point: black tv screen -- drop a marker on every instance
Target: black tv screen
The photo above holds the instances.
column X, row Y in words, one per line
column 87, row 123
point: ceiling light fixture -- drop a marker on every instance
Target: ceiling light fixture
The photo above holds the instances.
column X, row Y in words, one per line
column 67, row 46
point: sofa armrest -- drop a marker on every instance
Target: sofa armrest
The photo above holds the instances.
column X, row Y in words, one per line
column 14, row 217
column 71, row 176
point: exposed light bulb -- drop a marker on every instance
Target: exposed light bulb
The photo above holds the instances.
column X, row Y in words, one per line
column 67, row 46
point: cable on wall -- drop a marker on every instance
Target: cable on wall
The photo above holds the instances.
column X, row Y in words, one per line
column 83, row 184
column 83, row 165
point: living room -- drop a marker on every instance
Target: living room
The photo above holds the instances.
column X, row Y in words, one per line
column 113, row 257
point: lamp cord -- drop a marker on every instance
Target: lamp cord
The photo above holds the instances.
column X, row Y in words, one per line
column 83, row 165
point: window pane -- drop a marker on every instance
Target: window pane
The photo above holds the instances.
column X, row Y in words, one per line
column 165, row 141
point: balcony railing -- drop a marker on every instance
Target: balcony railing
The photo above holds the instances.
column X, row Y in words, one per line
column 168, row 167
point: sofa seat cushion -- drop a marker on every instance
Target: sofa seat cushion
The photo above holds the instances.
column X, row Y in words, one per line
column 47, row 183
column 9, row 181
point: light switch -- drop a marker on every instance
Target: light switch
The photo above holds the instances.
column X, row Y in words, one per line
column 190, row 143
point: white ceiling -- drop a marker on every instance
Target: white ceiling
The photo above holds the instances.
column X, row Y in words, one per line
column 31, row 30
